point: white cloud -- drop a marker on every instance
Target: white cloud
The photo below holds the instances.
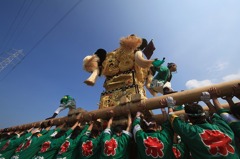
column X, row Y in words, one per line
column 218, row 66
column 231, row 77
column 195, row 83
column 221, row 66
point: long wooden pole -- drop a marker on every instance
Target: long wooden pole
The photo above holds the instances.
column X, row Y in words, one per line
column 158, row 118
column 187, row 96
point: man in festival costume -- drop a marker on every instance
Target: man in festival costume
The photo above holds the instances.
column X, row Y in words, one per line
column 51, row 146
column 153, row 143
column 235, row 108
column 69, row 148
column 180, row 149
column 161, row 82
column 66, row 102
column 232, row 116
column 7, row 135
column 89, row 145
column 9, row 147
column 116, row 145
column 31, row 146
column 205, row 140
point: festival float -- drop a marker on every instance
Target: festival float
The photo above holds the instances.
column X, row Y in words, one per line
column 127, row 72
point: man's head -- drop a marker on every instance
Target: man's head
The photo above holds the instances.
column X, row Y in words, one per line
column 64, row 99
column 7, row 135
column 59, row 134
column 76, row 132
column 96, row 130
column 195, row 113
column 44, row 125
column 118, row 130
column 150, row 124
column 172, row 67
column 143, row 45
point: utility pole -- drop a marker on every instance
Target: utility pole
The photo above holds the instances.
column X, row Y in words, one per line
column 12, row 56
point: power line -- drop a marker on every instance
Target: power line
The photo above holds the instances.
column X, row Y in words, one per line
column 9, row 29
column 21, row 21
column 54, row 26
column 28, row 20
column 44, row 36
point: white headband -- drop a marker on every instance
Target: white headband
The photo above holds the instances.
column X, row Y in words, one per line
column 195, row 115
column 148, row 123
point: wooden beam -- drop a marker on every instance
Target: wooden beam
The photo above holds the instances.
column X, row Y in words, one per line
column 159, row 117
column 193, row 95
column 135, row 104
column 187, row 96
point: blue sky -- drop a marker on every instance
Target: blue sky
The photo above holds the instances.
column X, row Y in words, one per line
column 201, row 36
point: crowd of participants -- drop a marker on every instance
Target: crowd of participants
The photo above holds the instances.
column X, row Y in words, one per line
column 195, row 135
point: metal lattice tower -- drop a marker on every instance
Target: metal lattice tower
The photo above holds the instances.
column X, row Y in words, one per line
column 12, row 55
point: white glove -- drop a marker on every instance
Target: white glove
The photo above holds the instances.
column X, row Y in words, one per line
column 205, row 97
column 170, row 102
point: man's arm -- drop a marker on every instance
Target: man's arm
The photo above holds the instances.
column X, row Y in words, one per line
column 229, row 118
column 75, row 125
column 236, row 90
column 205, row 97
column 229, row 100
column 170, row 104
column 107, row 132
column 109, row 123
column 164, row 114
column 90, row 126
column 214, row 95
column 128, row 129
column 136, row 125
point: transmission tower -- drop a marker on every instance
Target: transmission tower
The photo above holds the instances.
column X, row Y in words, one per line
column 10, row 57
